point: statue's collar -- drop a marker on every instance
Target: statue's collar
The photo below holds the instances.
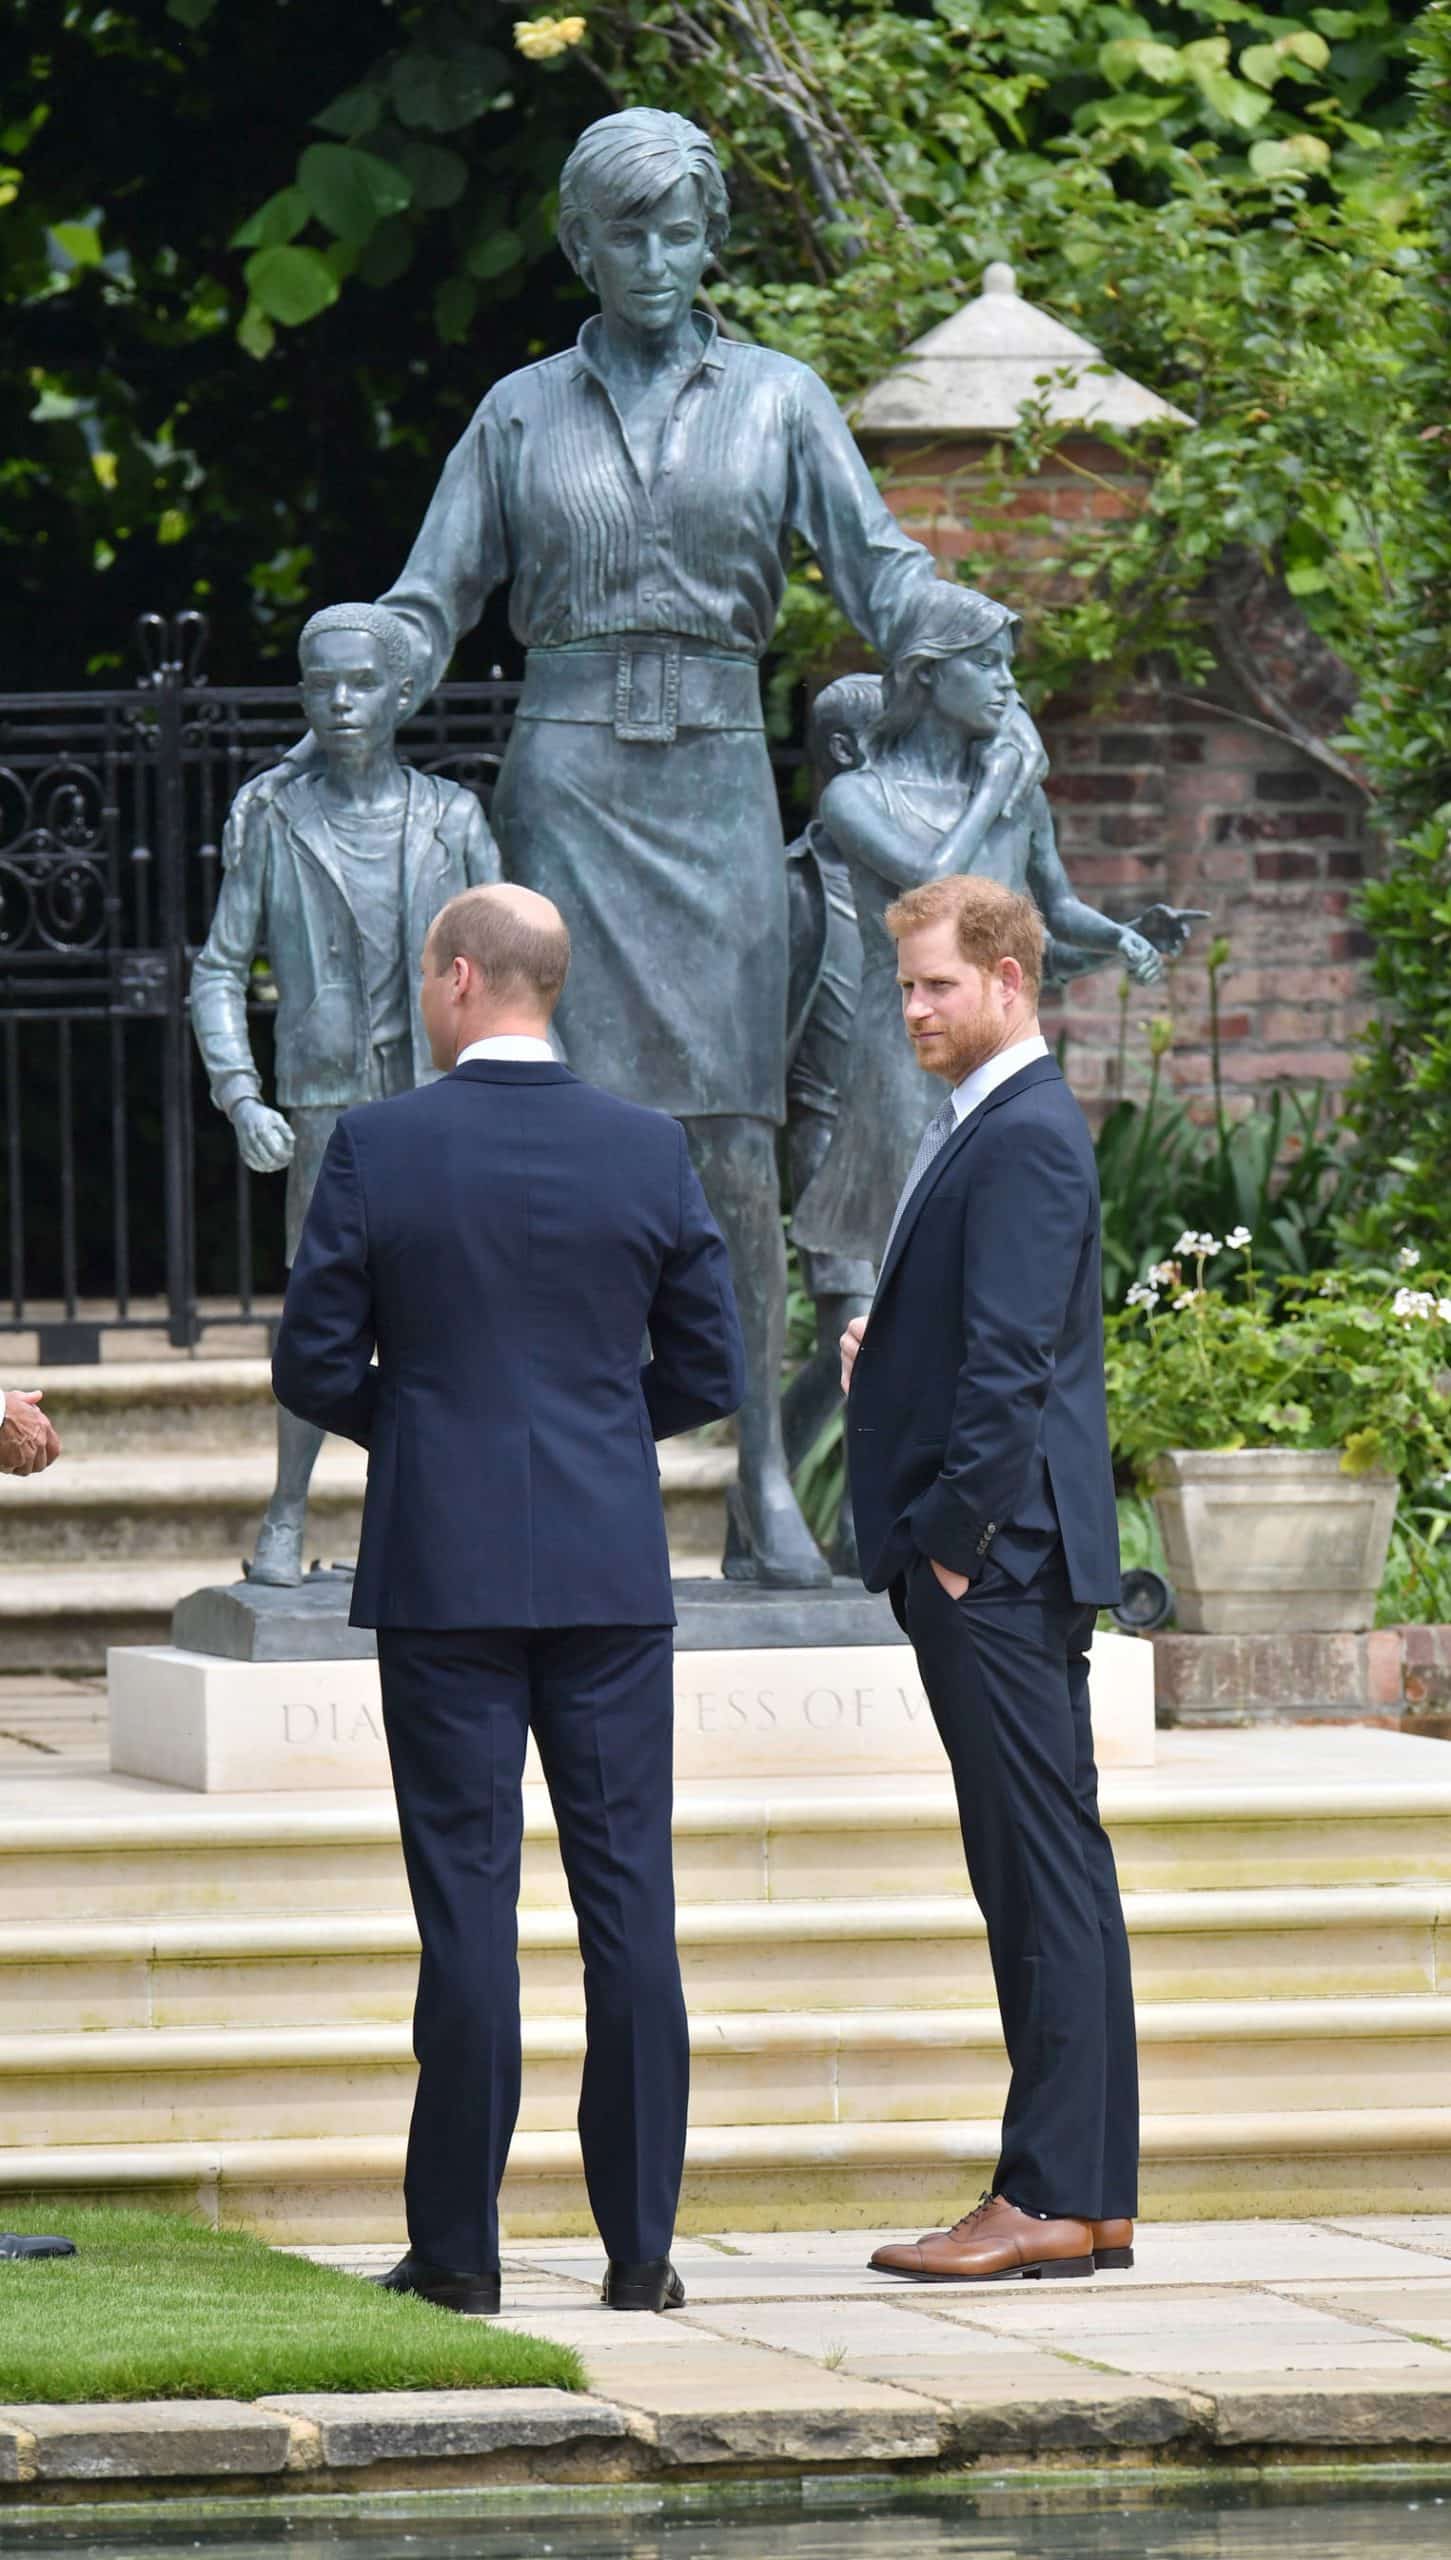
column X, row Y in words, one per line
column 710, row 357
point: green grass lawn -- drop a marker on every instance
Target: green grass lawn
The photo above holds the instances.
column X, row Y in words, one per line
column 154, row 2307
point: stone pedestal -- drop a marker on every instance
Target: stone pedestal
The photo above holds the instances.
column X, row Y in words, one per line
column 796, row 1686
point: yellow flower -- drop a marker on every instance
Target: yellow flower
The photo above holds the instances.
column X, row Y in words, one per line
column 540, row 39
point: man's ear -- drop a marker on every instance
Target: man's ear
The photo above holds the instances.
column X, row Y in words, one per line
column 405, row 697
column 1010, row 976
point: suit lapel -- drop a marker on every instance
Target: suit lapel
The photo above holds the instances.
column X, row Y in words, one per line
column 1040, row 1071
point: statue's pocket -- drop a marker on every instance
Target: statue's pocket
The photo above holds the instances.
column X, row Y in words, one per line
column 329, row 1029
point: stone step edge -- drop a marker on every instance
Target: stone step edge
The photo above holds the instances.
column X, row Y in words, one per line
column 205, row 1938
column 318, row 2159
column 708, row 1807
column 83, row 2051
column 159, row 1479
column 66, row 1595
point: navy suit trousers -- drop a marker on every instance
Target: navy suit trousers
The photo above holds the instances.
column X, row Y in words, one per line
column 458, row 1707
column 1005, row 1669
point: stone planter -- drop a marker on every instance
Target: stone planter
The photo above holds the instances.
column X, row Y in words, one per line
column 1271, row 1541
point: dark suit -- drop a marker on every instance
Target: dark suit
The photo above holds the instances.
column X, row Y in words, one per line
column 506, row 1238
column 977, row 1435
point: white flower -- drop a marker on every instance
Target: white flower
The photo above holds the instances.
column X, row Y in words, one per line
column 1142, row 1295
column 1187, row 1298
column 1237, row 1239
column 1443, row 1309
column 1408, row 1257
column 1162, row 1273
column 1414, row 1302
column 1189, row 1242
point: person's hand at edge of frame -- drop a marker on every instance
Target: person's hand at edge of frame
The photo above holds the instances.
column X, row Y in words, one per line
column 29, row 1441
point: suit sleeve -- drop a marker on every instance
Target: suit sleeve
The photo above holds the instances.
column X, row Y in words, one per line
column 1030, row 1211
column 697, row 1369
column 321, row 1367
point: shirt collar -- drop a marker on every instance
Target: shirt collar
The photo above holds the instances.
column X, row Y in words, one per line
column 994, row 1071
column 710, row 358
column 509, row 1044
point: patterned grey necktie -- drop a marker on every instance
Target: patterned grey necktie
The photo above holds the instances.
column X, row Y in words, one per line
column 934, row 1138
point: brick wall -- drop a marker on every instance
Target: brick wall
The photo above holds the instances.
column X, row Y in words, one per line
column 1189, row 799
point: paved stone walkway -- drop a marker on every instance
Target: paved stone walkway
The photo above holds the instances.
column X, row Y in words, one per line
column 1228, row 2343
column 1335, row 2332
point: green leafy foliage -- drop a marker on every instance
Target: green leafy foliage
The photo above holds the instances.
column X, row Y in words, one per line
column 1401, row 1103
column 1354, row 1361
column 1283, row 1172
column 1416, row 1588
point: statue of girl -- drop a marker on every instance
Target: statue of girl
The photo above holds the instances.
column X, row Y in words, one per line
column 949, row 778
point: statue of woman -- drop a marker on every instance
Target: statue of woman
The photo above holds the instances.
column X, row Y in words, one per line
column 638, row 495
column 948, row 779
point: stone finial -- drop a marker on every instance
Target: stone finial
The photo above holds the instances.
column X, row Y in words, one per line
column 971, row 374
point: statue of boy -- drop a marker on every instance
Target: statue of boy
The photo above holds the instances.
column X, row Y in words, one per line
column 337, row 874
column 947, row 778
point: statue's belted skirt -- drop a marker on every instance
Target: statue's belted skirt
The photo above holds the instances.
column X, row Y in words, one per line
column 636, row 792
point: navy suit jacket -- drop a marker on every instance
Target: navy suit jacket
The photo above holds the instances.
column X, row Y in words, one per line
column 506, row 1239
column 976, row 1423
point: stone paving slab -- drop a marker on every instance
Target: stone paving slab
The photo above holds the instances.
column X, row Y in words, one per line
column 355, row 2427
column 1418, row 2308
column 146, row 2439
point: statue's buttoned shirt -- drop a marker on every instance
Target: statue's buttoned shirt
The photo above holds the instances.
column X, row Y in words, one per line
column 543, row 492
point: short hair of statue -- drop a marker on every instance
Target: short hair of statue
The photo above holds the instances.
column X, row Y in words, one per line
column 852, row 704
column 511, row 954
column 993, row 922
column 625, row 163
column 386, row 628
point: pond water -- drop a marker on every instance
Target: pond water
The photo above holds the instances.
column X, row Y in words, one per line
column 1203, row 2523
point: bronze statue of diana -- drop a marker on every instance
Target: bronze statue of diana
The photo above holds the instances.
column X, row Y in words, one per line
column 637, row 495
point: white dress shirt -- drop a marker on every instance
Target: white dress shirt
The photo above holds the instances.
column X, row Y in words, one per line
column 994, row 1071
column 510, row 1044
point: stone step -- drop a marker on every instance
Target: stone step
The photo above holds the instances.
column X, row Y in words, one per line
column 140, row 1504
column 1173, row 1830
column 99, row 1549
column 119, row 1407
column 1198, row 2058
column 906, row 1953
column 897, row 2177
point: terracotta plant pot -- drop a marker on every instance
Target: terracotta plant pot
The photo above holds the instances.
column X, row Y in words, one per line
column 1272, row 1541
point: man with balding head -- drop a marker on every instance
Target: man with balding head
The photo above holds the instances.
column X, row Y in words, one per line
column 506, row 1239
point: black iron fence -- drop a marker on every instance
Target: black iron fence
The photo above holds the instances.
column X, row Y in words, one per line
column 122, row 1201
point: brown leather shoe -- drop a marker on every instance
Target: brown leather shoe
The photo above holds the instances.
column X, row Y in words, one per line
column 1113, row 2244
column 994, row 2244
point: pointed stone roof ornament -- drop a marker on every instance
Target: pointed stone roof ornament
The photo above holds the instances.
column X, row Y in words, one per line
column 971, row 374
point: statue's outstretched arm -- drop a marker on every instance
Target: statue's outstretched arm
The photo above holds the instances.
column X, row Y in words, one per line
column 1070, row 919
column 875, row 570
column 461, row 553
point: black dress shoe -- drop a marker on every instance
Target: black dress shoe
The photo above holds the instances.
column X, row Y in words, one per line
column 441, row 2285
column 653, row 2285
column 13, row 2245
